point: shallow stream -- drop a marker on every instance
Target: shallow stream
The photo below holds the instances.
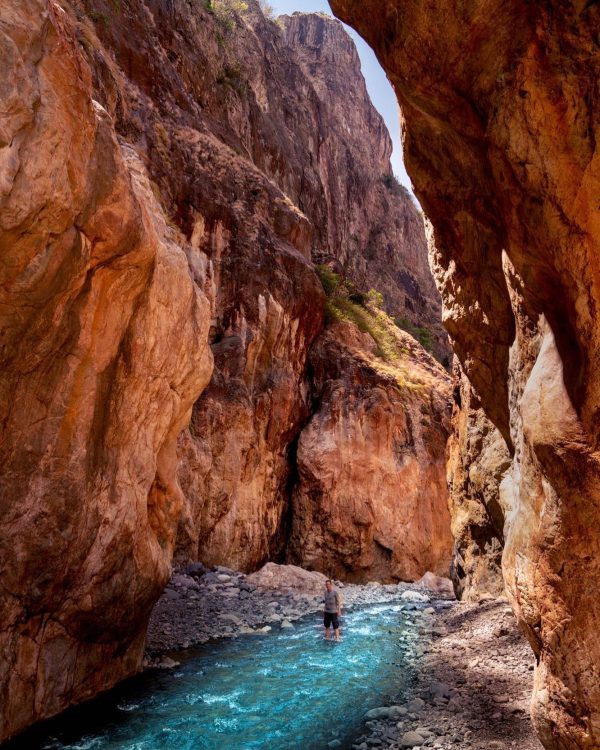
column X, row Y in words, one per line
column 284, row 690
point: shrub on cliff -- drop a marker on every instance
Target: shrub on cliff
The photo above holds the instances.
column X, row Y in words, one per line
column 226, row 11
column 329, row 279
column 267, row 9
column 346, row 303
column 422, row 334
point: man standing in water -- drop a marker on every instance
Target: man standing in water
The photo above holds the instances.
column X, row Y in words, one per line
column 333, row 610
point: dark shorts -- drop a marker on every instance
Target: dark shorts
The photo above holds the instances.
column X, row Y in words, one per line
column 331, row 618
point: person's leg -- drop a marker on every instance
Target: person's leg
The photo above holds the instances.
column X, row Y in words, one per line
column 326, row 623
column 336, row 627
column 326, row 634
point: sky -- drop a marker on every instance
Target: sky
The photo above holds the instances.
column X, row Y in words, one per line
column 380, row 90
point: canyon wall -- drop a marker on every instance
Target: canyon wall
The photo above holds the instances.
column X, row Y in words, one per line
column 477, row 461
column 169, row 173
column 370, row 502
column 104, row 351
column 238, row 462
column 500, row 122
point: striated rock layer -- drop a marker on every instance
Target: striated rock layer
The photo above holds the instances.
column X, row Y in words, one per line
column 371, row 501
column 501, row 123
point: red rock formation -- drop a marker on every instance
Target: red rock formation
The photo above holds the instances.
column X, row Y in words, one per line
column 237, row 459
column 477, row 460
column 157, row 191
column 103, row 354
column 371, row 501
column 373, row 232
column 501, row 123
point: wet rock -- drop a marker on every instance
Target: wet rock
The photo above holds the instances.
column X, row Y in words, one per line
column 166, row 663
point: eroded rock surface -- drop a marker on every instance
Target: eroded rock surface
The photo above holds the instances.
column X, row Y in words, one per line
column 373, row 232
column 500, row 127
column 168, row 176
column 477, row 461
column 103, row 354
column 238, row 459
column 371, row 501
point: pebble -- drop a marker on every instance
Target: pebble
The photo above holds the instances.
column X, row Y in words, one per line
column 411, row 739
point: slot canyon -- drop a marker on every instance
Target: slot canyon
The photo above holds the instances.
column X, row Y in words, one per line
column 239, row 357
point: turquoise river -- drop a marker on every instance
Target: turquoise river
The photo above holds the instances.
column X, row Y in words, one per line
column 284, row 690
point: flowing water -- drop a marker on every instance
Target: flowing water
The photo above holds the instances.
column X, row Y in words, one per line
column 281, row 691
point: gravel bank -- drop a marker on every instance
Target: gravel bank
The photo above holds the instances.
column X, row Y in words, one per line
column 199, row 605
column 472, row 688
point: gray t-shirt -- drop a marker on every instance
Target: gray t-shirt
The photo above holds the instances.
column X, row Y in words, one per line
column 332, row 601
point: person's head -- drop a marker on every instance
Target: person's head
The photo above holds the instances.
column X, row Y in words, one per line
column 328, row 585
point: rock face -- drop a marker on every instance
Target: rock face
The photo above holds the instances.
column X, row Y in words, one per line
column 371, row 501
column 500, row 126
column 103, row 354
column 373, row 232
column 168, row 173
column 477, row 460
column 238, row 460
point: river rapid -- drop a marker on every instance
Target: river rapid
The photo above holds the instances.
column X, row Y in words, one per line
column 281, row 690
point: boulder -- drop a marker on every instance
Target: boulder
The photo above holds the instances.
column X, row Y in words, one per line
column 288, row 578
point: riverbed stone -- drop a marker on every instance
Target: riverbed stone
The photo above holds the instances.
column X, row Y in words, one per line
column 414, row 596
column 411, row 739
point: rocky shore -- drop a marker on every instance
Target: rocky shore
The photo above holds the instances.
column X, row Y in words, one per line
column 472, row 668
column 201, row 604
column 472, row 689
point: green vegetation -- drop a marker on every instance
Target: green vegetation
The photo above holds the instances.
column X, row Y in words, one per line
column 422, row 334
column 329, row 279
column 232, row 77
column 394, row 185
column 347, row 303
column 226, row 11
column 267, row 9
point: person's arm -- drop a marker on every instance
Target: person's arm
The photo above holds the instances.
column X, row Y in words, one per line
column 338, row 600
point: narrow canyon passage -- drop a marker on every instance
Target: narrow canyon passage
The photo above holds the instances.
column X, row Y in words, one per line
column 233, row 344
